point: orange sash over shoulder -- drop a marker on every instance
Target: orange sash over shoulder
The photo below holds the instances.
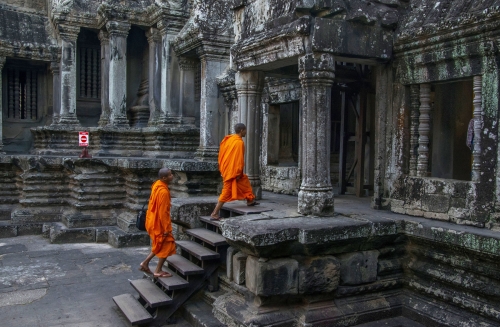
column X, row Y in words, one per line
column 158, row 220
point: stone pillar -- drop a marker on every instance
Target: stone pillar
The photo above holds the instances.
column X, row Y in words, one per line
column 69, row 35
column 55, row 69
column 249, row 85
column 167, row 115
column 478, row 122
column 316, row 77
column 154, row 74
column 104, row 38
column 187, row 90
column 118, row 32
column 423, row 130
column 2, row 63
column 211, row 109
column 415, row 113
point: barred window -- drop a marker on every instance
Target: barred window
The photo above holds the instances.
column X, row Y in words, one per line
column 90, row 71
column 22, row 93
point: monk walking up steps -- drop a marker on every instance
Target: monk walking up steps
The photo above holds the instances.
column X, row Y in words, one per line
column 231, row 163
column 159, row 225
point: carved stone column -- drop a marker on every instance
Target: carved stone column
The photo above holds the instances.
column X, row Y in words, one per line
column 154, row 74
column 228, row 90
column 2, row 63
column 118, row 32
column 211, row 109
column 187, row 90
column 414, row 107
column 423, row 130
column 55, row 69
column 104, row 38
column 478, row 127
column 316, row 76
column 249, row 85
column 167, row 115
column 69, row 35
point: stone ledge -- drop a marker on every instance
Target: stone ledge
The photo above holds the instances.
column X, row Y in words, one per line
column 267, row 236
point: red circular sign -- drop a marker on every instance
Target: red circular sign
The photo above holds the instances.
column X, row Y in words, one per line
column 83, row 139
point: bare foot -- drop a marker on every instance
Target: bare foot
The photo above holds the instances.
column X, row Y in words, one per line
column 162, row 274
column 144, row 268
column 215, row 217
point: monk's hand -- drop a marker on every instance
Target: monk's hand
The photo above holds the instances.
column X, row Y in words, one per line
column 166, row 233
column 238, row 178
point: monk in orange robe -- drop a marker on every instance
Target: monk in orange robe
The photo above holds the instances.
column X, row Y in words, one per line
column 231, row 163
column 159, row 225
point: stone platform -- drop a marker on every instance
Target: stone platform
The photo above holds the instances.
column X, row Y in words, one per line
column 356, row 267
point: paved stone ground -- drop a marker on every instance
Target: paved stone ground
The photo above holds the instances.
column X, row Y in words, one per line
column 46, row 285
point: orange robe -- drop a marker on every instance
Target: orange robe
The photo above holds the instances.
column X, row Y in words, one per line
column 158, row 220
column 231, row 163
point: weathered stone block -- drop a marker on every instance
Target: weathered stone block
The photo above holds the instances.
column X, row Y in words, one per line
column 119, row 239
column 229, row 261
column 414, row 212
column 358, row 267
column 101, row 235
column 436, row 215
column 239, row 265
column 318, row 275
column 273, row 277
column 435, row 203
column 8, row 231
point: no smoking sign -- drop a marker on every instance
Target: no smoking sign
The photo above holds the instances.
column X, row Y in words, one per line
column 83, row 138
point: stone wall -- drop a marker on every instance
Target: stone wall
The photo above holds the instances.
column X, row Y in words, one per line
column 93, row 192
column 298, row 271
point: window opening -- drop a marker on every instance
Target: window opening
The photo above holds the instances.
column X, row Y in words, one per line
column 22, row 93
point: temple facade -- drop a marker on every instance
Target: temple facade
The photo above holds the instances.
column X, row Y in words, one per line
column 392, row 100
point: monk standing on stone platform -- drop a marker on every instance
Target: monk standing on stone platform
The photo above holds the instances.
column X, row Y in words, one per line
column 159, row 225
column 231, row 163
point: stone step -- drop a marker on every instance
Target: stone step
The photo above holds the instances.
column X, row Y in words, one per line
column 172, row 283
column 215, row 224
column 392, row 322
column 154, row 296
column 119, row 238
column 198, row 250
column 184, row 266
column 11, row 229
column 239, row 209
column 132, row 309
column 81, row 221
column 207, row 236
column 59, row 233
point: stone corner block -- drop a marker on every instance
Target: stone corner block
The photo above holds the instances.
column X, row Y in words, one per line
column 273, row 277
column 239, row 267
column 318, row 275
column 358, row 267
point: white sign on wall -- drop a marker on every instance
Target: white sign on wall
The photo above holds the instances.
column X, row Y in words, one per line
column 83, row 138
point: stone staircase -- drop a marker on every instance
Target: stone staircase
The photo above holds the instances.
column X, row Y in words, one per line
column 195, row 267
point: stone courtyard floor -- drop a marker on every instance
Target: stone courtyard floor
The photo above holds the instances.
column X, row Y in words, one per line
column 45, row 285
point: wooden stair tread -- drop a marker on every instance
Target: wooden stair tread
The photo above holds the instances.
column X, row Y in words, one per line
column 172, row 283
column 246, row 210
column 184, row 266
column 209, row 220
column 132, row 309
column 207, row 236
column 198, row 250
column 153, row 295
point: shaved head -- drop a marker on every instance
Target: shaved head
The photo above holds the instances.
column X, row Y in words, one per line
column 164, row 172
column 239, row 127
